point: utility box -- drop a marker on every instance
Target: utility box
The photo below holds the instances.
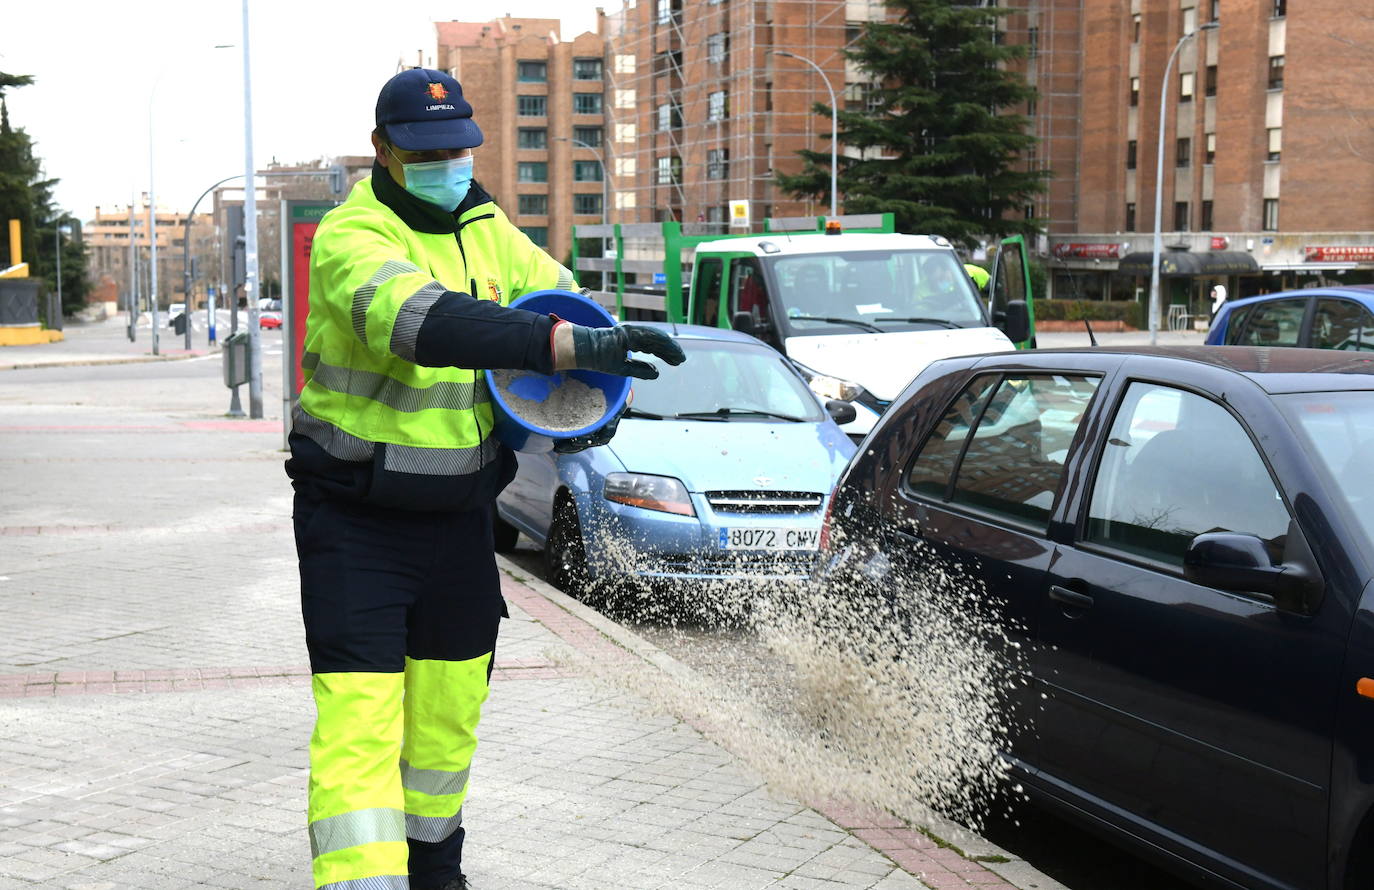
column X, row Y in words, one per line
column 236, row 354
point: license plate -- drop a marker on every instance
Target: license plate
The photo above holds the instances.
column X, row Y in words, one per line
column 770, row 538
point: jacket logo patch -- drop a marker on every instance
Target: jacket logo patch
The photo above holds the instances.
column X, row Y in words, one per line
column 493, row 290
column 437, row 92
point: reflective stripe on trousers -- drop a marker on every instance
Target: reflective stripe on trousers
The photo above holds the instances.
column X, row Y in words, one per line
column 389, row 760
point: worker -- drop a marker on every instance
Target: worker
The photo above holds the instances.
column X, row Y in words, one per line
column 979, row 275
column 396, row 473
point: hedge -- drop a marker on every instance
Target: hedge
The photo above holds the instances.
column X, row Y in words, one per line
column 1132, row 313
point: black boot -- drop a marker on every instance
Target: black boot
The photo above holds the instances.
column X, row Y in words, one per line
column 458, row 883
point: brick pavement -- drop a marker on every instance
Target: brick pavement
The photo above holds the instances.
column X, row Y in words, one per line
column 154, row 700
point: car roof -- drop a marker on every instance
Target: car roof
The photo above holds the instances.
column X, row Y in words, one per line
column 702, row 332
column 1274, row 369
column 1364, row 293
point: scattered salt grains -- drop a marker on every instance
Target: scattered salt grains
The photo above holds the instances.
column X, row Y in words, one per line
column 570, row 406
column 884, row 691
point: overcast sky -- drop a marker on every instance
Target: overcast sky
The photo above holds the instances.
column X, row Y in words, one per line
column 316, row 70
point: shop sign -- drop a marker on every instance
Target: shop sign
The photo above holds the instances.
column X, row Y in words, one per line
column 1220, row 242
column 1339, row 254
column 1066, row 251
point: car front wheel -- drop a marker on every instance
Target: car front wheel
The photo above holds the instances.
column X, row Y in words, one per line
column 565, row 553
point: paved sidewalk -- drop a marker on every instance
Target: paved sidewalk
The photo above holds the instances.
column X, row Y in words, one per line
column 155, row 708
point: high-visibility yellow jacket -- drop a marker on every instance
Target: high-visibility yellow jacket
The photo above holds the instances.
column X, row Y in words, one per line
column 407, row 304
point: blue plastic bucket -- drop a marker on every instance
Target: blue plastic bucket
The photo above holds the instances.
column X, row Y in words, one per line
column 522, row 434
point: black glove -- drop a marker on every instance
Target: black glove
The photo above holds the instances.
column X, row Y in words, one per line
column 604, row 349
column 582, row 443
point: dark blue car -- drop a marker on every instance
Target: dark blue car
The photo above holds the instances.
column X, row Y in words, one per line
column 1321, row 318
column 1182, row 540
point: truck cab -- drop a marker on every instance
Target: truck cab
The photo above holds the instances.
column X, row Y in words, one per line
column 860, row 314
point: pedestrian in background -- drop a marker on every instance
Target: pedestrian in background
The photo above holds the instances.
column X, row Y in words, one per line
column 396, row 473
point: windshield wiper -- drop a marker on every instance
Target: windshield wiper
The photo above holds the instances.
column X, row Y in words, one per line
column 647, row 415
column 862, row 325
column 922, row 320
column 723, row 413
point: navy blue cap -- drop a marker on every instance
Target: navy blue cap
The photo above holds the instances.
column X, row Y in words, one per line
column 423, row 109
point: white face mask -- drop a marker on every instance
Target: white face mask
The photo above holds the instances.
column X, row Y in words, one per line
column 441, row 183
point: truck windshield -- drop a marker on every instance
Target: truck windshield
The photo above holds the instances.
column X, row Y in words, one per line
column 890, row 290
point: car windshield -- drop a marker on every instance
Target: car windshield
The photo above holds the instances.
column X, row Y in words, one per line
column 890, row 290
column 1339, row 428
column 732, row 381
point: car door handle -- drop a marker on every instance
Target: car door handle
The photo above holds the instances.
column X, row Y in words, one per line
column 1070, row 597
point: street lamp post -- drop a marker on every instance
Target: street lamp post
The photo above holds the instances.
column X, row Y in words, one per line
column 605, row 174
column 834, row 131
column 250, row 234
column 58, row 231
column 1159, row 180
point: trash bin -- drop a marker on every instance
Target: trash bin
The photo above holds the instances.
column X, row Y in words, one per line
column 236, row 350
column 179, row 325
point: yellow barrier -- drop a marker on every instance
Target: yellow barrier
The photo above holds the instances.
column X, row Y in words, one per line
column 27, row 336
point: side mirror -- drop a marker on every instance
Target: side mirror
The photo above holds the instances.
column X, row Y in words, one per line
column 840, row 412
column 743, row 322
column 1236, row 562
column 1014, row 321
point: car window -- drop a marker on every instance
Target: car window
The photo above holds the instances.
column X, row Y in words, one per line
column 741, row 377
column 1235, row 324
column 1342, row 324
column 1177, row 465
column 933, row 467
column 1274, row 324
column 1015, row 458
column 1339, row 428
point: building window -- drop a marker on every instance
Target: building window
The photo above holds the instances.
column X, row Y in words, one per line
column 1271, row 215
column 1180, row 216
column 532, row 171
column 586, row 69
column 1211, row 143
column 532, row 72
column 669, row 116
column 1215, row 14
column 1206, row 216
column 529, row 137
column 588, row 135
column 1135, row 91
column 1280, row 8
column 532, row 106
column 1276, row 72
column 717, row 46
column 587, row 205
column 1210, row 83
column 586, row 103
column 1032, row 41
column 538, row 234
column 1183, row 153
column 1135, row 28
column 669, row 170
column 1186, row 83
column 1190, row 20
column 1032, row 108
column 1131, row 155
column 716, row 106
column 1275, row 143
column 669, row 11
column 1130, row 217
column 534, row 205
column 717, row 163
column 586, row 171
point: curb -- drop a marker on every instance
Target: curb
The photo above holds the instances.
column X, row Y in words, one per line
column 956, row 848
column 79, row 362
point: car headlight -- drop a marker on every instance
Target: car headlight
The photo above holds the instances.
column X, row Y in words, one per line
column 828, row 387
column 662, row 493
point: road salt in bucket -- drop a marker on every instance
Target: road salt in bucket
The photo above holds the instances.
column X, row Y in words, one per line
column 533, row 410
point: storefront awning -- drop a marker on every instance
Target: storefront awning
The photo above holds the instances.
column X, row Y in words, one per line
column 1186, row 264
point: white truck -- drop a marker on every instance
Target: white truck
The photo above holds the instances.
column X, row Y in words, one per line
column 860, row 313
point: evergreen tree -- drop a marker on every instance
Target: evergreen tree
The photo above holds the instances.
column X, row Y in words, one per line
column 935, row 115
column 27, row 197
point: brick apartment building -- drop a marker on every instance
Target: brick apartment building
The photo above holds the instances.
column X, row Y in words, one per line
column 540, row 101
column 107, row 237
column 1268, row 142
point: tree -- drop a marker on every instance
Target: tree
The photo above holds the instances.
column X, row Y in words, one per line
column 27, row 197
column 938, row 149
